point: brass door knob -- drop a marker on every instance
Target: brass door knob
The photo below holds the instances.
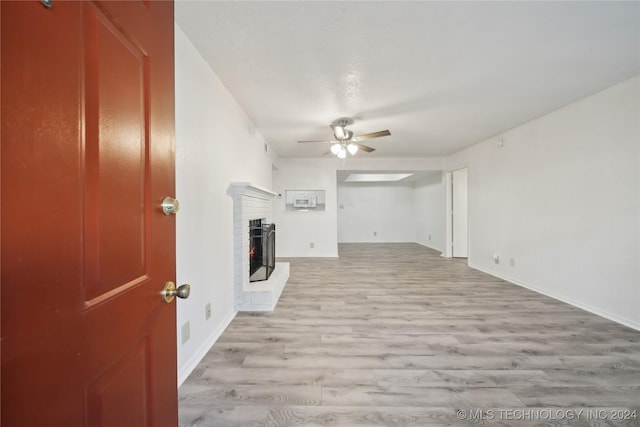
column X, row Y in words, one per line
column 170, row 206
column 170, row 291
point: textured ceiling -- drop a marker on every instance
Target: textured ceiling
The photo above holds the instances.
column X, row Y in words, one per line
column 439, row 75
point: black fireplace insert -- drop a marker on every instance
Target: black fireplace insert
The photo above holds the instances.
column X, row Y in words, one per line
column 262, row 250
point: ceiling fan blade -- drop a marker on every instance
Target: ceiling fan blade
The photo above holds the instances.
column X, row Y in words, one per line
column 371, row 135
column 363, row 147
column 321, row 142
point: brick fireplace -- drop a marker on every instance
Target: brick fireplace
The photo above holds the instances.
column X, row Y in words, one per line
column 251, row 203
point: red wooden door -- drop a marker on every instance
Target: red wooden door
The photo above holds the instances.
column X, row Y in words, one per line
column 87, row 155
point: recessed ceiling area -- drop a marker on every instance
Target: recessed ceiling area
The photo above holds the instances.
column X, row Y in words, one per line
column 367, row 177
column 377, row 177
column 440, row 76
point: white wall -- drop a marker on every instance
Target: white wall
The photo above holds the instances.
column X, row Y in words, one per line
column 383, row 209
column 215, row 145
column 429, row 212
column 562, row 199
column 296, row 230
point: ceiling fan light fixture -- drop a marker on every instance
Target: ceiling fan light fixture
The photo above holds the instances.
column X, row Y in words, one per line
column 344, row 142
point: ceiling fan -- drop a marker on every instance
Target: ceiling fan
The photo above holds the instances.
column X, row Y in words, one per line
column 345, row 141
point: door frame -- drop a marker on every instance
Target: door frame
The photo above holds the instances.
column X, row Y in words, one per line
column 448, row 183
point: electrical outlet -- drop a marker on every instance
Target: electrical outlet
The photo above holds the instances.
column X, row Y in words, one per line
column 186, row 332
column 496, row 259
column 207, row 311
column 512, row 262
column 429, row 236
column 375, row 233
column 312, row 245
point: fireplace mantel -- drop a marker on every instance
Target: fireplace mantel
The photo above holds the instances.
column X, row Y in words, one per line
column 252, row 202
column 247, row 189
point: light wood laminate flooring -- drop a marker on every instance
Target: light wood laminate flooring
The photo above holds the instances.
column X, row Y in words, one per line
column 395, row 335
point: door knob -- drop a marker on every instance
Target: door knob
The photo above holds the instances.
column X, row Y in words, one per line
column 170, row 291
column 170, row 206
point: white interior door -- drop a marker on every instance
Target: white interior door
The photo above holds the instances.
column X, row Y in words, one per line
column 459, row 213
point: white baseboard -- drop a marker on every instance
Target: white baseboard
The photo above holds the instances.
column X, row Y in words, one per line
column 192, row 363
column 570, row 301
column 429, row 246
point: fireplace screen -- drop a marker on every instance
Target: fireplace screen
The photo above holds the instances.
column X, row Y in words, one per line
column 262, row 250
